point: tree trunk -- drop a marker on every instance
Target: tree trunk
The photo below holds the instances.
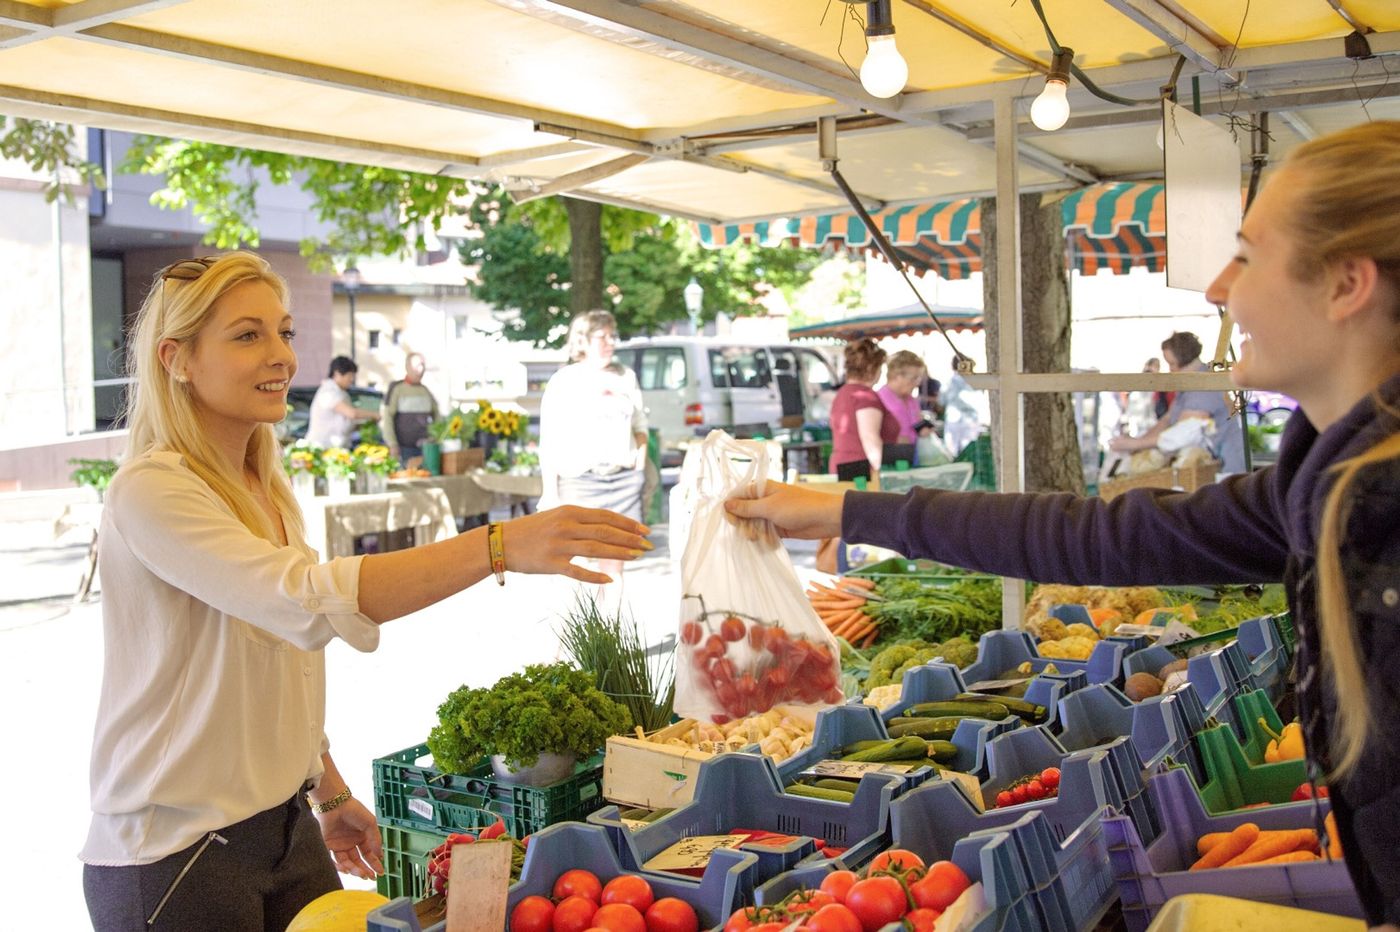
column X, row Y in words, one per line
column 585, row 254
column 1051, row 438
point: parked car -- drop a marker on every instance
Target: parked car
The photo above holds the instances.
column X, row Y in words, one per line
column 694, row 384
column 293, row 426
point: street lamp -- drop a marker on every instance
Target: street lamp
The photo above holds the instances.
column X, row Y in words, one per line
column 350, row 281
column 694, row 301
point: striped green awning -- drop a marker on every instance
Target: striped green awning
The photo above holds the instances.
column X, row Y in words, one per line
column 1116, row 226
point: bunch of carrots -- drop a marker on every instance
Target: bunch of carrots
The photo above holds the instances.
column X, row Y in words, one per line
column 1247, row 845
column 843, row 611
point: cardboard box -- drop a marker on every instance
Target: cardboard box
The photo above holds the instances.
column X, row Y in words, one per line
column 461, row 461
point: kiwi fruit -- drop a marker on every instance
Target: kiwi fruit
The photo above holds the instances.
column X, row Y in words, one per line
column 1142, row 686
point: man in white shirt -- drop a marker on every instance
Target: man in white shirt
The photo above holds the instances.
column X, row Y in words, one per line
column 333, row 416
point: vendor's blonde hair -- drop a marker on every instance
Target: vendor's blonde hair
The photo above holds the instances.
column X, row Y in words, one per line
column 903, row 362
column 582, row 328
column 161, row 411
column 1348, row 206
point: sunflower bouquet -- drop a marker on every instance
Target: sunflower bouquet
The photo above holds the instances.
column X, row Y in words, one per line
column 303, row 458
column 508, row 425
column 338, row 462
column 454, row 425
column 374, row 458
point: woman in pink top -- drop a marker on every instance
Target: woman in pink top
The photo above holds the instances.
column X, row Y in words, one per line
column 904, row 373
column 860, row 426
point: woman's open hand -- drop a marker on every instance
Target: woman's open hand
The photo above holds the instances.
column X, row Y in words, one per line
column 793, row 510
column 352, row 837
column 547, row 541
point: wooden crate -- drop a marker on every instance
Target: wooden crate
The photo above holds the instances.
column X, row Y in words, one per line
column 1187, row 478
column 461, row 461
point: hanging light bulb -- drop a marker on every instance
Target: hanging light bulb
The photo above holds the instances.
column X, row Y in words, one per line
column 1050, row 110
column 884, row 71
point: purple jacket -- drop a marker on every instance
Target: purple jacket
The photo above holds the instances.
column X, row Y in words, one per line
column 1260, row 527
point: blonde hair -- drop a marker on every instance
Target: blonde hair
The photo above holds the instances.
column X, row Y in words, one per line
column 1347, row 206
column 582, row 328
column 904, row 361
column 161, row 411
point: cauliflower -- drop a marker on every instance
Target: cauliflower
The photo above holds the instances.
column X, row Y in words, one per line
column 1079, row 629
column 1052, row 629
column 884, row 697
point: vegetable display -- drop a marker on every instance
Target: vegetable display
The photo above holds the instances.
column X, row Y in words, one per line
column 612, row 649
column 1246, row 845
column 777, row 734
column 580, row 901
column 916, row 611
column 551, row 708
column 890, row 665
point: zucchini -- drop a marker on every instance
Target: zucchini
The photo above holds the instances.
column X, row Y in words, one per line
column 818, row 792
column 1028, row 711
column 941, row 728
column 942, row 751
column 835, row 783
column 855, row 746
column 964, row 708
column 898, row 748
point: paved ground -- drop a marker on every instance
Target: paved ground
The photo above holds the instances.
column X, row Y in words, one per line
column 50, row 671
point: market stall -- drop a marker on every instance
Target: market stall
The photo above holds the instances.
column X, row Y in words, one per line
column 333, row 524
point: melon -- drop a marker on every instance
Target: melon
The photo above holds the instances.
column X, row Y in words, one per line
column 337, row 911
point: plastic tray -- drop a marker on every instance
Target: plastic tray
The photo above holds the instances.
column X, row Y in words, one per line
column 1150, row 874
column 937, row 681
column 999, row 651
column 1095, row 716
column 1269, row 660
column 1204, row 912
column 1231, row 781
column 744, row 791
column 406, row 850
column 1217, row 677
column 410, row 792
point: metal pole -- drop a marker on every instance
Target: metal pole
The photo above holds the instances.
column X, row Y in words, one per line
column 350, row 293
column 1008, row 284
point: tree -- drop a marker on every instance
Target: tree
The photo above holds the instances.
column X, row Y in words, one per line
column 48, row 149
column 1049, row 426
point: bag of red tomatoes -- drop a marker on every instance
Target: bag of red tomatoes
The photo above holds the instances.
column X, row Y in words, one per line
column 749, row 639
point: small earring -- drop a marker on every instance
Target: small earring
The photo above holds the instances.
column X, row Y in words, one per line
column 181, row 378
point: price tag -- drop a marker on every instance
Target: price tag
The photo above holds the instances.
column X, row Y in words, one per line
column 969, row 782
column 988, row 686
column 693, row 852
column 1176, row 631
column 852, row 770
column 633, row 824
column 477, row 881
column 421, row 808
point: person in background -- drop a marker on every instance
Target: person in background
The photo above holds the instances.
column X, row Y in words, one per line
column 1315, row 289
column 860, row 425
column 1138, row 408
column 962, row 420
column 409, row 407
column 904, row 372
column 1183, row 354
column 333, row 417
column 931, row 400
column 216, row 804
column 593, row 427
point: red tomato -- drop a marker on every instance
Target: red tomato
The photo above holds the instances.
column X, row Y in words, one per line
column 838, row 884
column 578, row 883
column 776, row 640
column 739, row 920
column 1004, row 798
column 714, row 646
column 619, row 917
column 896, row 858
column 1019, row 793
column 921, row 919
column 1036, row 790
column 769, row 927
column 943, row 884
column 691, row 632
column 574, row 914
column 629, row 889
column 834, row 918
column 877, row 901
column 532, row 914
column 809, row 902
column 670, row 914
column 1050, row 776
column 732, row 629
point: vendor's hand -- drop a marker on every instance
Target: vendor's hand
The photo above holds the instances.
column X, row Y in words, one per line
column 547, row 541
column 792, row 510
column 1122, row 444
column 352, row 837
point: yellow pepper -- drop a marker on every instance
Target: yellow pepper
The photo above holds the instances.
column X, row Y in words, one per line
column 1287, row 745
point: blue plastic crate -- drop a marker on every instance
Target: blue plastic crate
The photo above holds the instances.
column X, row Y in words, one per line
column 1269, row 660
column 745, row 791
column 1149, row 874
column 938, row 681
column 726, row 884
column 1092, row 717
column 999, row 651
column 843, row 725
column 1217, row 677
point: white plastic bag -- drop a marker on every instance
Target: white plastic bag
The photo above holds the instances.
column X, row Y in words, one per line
column 1187, row 432
column 748, row 638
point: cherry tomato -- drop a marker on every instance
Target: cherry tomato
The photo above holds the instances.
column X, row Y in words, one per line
column 691, row 632
column 876, row 901
column 776, row 677
column 719, row 718
column 573, row 914
column 834, row 696
column 722, row 670
column 631, row 890
column 671, row 914
column 900, row 859
column 838, row 884
column 619, row 917
column 714, row 646
column 776, row 640
column 1019, row 793
column 758, row 636
column 1004, row 798
column 732, row 629
column 532, row 914
column 810, row 902
column 921, row 919
column 834, row 918
column 1036, row 790
column 943, row 884
column 1050, row 776
column 578, row 883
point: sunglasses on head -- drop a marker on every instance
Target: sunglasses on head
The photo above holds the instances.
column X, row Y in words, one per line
column 187, row 270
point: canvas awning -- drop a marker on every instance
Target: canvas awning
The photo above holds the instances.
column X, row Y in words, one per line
column 912, row 319
column 1116, row 225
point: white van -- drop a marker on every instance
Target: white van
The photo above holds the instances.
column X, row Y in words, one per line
column 694, row 384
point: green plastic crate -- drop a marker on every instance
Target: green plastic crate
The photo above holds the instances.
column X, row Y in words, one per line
column 984, row 468
column 1249, row 708
column 1232, row 781
column 410, row 792
column 926, row 571
column 406, row 852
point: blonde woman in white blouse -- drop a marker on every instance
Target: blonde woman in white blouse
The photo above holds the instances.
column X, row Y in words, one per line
column 593, row 427
column 210, row 754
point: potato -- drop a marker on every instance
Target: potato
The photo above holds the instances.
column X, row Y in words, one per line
column 1142, row 686
column 1169, row 669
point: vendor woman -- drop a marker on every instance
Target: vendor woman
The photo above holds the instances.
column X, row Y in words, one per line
column 216, row 804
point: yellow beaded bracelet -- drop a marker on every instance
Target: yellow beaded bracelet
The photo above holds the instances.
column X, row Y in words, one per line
column 496, row 549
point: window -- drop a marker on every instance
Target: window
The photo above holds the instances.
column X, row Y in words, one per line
column 374, row 339
column 744, row 366
column 661, row 368
column 816, row 373
column 719, row 370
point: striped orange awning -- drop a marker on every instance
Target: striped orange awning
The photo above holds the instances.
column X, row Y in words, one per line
column 1116, row 225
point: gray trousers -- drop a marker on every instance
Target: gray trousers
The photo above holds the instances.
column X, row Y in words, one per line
column 254, row 876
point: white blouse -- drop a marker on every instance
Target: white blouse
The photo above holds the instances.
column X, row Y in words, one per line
column 213, row 696
column 588, row 417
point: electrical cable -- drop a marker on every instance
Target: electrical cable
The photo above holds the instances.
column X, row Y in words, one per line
column 1078, row 72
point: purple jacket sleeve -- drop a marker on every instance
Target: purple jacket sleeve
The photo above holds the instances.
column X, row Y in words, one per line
column 1229, row 532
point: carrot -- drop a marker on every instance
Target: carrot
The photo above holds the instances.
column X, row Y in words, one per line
column 860, row 630
column 847, row 623
column 860, row 582
column 1238, row 841
column 1272, row 844
column 856, row 620
column 1334, row 840
column 1289, row 858
column 1210, row 840
column 870, row 638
